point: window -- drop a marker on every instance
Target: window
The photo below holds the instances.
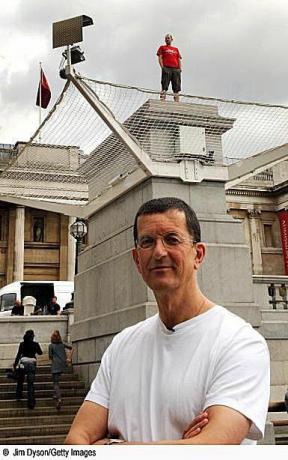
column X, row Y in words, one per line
column 38, row 229
column 268, row 235
column 7, row 301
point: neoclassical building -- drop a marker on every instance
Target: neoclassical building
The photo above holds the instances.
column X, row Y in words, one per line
column 35, row 243
column 260, row 200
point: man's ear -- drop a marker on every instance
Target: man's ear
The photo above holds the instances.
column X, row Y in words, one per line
column 200, row 254
column 135, row 256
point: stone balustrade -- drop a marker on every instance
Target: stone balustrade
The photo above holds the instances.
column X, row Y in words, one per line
column 12, row 329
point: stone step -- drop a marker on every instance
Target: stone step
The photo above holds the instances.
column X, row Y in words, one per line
column 32, row 419
column 41, row 370
column 42, row 402
column 276, row 406
column 43, row 378
column 281, row 441
column 274, row 315
column 11, row 385
column 281, row 430
column 19, row 431
column 281, row 434
column 274, row 329
column 38, row 410
column 40, row 393
column 43, row 425
column 53, row 439
column 277, row 416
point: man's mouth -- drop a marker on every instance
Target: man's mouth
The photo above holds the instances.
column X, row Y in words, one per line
column 161, row 267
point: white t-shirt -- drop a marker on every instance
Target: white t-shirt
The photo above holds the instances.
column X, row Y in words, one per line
column 155, row 381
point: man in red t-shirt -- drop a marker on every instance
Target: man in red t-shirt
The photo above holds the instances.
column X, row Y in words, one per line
column 170, row 63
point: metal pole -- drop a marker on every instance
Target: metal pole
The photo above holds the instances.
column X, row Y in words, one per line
column 40, row 99
column 68, row 69
column 78, row 246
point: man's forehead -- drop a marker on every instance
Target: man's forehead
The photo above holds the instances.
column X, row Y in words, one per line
column 172, row 216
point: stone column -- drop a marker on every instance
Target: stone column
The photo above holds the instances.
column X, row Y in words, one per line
column 254, row 215
column 19, row 244
column 11, row 246
column 71, row 253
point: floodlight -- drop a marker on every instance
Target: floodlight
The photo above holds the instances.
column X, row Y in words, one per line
column 66, row 33
column 77, row 55
column 69, row 31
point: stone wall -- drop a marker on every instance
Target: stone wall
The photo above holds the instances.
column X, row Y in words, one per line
column 13, row 328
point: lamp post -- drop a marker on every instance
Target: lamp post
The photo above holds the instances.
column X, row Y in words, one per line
column 78, row 230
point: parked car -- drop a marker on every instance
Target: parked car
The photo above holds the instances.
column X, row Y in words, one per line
column 43, row 291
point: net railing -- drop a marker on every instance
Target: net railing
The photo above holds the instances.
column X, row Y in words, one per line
column 74, row 154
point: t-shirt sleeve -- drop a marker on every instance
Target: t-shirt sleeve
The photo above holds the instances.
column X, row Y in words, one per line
column 159, row 52
column 100, row 388
column 241, row 380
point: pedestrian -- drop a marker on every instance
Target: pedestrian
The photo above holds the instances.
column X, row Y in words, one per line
column 38, row 310
column 25, row 362
column 70, row 304
column 57, row 354
column 53, row 308
column 193, row 357
column 18, row 309
column 169, row 59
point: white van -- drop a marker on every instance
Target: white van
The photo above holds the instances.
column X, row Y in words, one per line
column 43, row 291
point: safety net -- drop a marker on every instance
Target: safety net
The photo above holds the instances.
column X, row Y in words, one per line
column 75, row 154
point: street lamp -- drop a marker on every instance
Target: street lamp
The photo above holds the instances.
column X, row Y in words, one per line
column 78, row 230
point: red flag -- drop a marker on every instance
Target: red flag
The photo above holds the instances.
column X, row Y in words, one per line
column 44, row 93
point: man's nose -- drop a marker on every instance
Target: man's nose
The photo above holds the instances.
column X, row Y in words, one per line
column 159, row 249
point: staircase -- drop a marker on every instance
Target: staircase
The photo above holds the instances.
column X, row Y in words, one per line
column 278, row 416
column 274, row 327
column 44, row 424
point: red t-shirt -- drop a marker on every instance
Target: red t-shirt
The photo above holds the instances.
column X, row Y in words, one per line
column 170, row 56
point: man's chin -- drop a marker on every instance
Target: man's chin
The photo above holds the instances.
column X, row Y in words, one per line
column 161, row 283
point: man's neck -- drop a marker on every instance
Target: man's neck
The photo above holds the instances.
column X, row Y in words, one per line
column 175, row 308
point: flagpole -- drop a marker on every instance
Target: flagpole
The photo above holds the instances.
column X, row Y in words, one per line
column 40, row 99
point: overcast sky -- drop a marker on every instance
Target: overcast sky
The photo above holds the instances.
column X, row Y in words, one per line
column 234, row 49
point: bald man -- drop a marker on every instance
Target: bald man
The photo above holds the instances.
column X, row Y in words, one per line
column 169, row 59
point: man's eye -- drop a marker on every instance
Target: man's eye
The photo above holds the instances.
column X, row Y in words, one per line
column 146, row 242
column 172, row 240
